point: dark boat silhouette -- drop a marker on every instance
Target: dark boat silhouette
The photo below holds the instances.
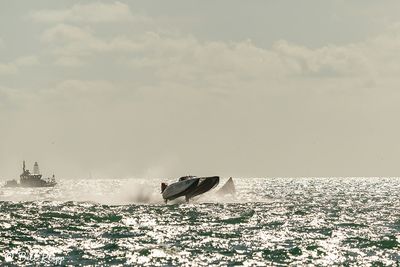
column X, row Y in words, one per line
column 28, row 179
column 188, row 186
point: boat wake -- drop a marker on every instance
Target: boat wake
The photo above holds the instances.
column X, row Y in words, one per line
column 124, row 192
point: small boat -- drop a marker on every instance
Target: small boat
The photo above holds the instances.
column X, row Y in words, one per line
column 188, row 186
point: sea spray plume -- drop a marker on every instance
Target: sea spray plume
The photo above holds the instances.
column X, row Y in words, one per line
column 227, row 188
column 141, row 192
column 122, row 192
column 102, row 191
column 129, row 191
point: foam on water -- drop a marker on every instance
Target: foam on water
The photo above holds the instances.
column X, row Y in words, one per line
column 280, row 221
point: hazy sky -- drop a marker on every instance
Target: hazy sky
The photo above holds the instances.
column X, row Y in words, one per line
column 230, row 88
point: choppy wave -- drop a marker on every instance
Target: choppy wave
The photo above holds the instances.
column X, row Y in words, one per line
column 279, row 221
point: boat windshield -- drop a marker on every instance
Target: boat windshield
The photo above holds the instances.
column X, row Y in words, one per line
column 183, row 178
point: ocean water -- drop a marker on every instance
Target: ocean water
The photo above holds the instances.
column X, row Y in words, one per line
column 270, row 222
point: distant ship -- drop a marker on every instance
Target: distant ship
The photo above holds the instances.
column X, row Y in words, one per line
column 32, row 180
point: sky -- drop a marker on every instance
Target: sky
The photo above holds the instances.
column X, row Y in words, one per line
column 123, row 89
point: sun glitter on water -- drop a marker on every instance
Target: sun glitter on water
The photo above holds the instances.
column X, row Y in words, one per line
column 278, row 221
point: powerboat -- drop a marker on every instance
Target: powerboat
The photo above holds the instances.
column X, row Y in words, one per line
column 189, row 187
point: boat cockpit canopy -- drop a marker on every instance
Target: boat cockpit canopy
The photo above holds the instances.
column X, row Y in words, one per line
column 183, row 178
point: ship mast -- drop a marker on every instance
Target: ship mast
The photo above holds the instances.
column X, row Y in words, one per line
column 23, row 166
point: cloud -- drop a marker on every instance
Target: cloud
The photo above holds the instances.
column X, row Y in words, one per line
column 172, row 57
column 89, row 13
column 74, row 87
column 222, row 68
column 185, row 56
column 4, row 95
column 65, row 33
column 8, row 69
column 12, row 99
column 72, row 43
column 13, row 67
column 322, row 61
column 74, row 93
column 27, row 61
column 69, row 61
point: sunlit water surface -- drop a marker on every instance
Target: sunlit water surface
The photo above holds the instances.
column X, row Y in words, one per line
column 271, row 221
